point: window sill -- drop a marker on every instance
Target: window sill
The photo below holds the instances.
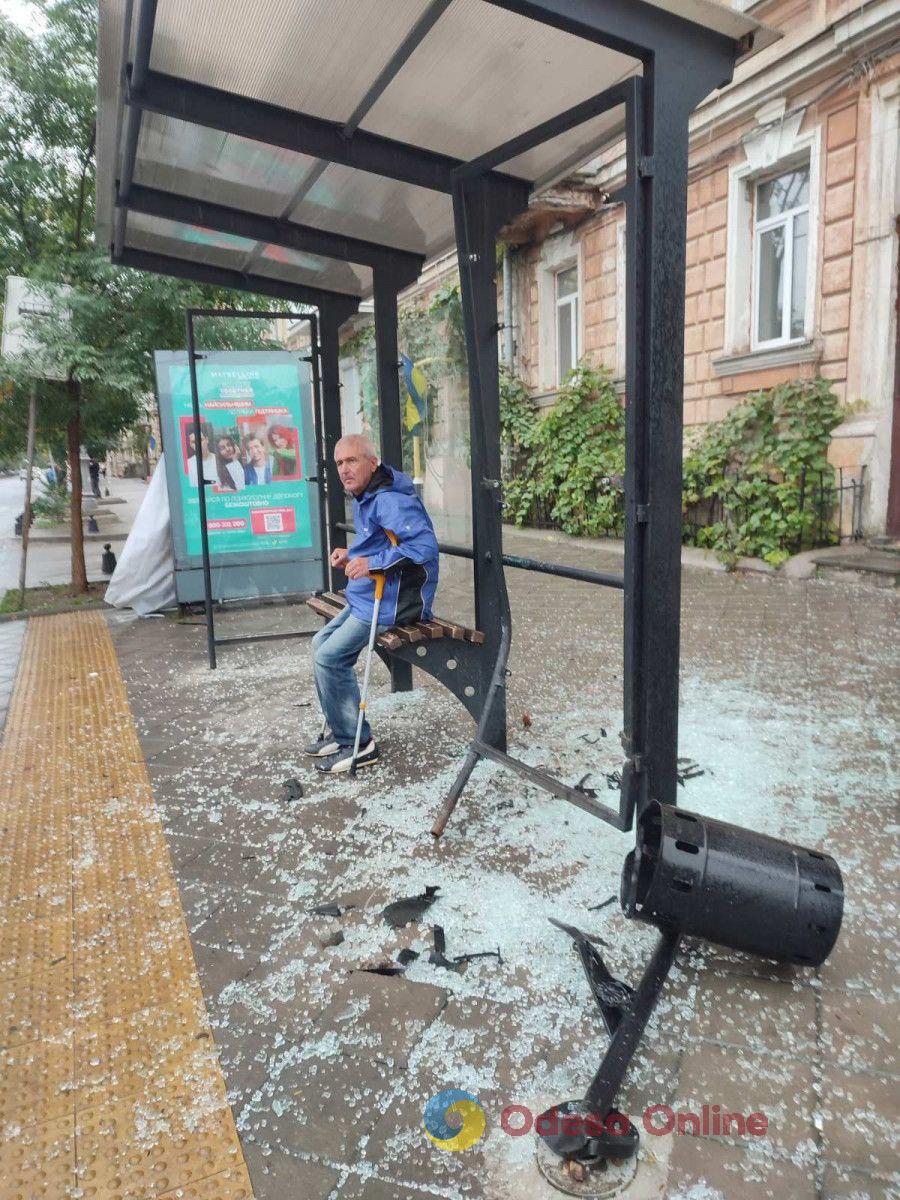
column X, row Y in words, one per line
column 762, row 360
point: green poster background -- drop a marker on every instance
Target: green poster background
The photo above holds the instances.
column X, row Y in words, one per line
column 252, row 420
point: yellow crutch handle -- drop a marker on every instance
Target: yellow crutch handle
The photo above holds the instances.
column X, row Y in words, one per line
column 379, row 575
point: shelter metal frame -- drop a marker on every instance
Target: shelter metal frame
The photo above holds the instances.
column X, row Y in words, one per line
column 680, row 65
column 681, row 62
column 212, row 642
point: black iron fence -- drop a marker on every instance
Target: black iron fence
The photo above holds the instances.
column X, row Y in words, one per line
column 823, row 508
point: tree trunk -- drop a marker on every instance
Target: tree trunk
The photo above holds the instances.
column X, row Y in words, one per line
column 26, row 511
column 73, row 431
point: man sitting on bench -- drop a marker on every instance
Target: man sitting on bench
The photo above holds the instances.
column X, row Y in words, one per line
column 384, row 499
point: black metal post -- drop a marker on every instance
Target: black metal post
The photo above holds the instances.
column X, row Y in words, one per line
column 607, row 1080
column 657, row 220
column 481, row 207
column 387, row 362
column 201, row 491
column 319, row 454
column 329, row 324
column 637, row 466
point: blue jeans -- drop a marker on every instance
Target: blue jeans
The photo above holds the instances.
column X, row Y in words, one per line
column 335, row 651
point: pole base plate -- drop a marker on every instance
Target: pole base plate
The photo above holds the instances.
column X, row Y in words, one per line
column 599, row 1180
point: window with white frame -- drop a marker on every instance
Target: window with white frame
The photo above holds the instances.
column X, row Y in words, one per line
column 566, row 321
column 780, row 253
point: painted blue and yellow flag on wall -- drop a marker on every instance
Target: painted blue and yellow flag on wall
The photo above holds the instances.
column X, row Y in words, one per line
column 416, row 389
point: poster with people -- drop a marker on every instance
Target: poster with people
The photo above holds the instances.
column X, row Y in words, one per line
column 255, row 432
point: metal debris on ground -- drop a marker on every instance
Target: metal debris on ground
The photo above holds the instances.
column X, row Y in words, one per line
column 587, row 791
column 392, row 966
column 688, row 769
column 576, row 933
column 593, row 741
column 328, row 910
column 293, row 789
column 402, row 912
column 387, row 967
column 610, row 993
column 438, row 955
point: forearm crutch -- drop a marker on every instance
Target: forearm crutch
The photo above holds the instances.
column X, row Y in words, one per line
column 379, row 578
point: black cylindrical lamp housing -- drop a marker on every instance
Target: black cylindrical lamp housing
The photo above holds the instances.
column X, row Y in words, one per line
column 732, row 886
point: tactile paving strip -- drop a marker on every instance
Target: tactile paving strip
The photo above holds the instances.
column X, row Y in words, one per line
column 109, row 1081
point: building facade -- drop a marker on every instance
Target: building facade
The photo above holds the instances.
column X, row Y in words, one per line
column 792, row 259
column 792, row 252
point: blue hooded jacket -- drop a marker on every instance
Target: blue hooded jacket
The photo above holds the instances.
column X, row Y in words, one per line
column 411, row 567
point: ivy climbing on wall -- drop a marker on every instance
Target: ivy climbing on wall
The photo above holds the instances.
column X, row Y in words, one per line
column 756, row 483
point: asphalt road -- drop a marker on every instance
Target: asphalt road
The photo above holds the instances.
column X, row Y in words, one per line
column 47, row 562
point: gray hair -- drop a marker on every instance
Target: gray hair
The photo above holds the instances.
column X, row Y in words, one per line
column 361, row 441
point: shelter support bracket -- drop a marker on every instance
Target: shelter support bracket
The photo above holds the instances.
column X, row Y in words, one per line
column 456, row 665
column 590, row 1129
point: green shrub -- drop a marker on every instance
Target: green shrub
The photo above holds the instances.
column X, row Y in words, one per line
column 569, row 463
column 51, row 507
column 758, row 468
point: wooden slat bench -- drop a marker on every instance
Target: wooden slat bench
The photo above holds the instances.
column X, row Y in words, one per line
column 329, row 604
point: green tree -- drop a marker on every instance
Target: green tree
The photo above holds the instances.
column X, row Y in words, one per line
column 104, row 323
column 48, row 83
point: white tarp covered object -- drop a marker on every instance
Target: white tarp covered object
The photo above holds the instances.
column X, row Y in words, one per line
column 145, row 576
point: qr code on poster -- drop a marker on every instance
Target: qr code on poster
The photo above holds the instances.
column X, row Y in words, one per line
column 274, row 522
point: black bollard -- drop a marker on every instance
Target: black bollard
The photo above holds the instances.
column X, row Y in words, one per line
column 732, row 886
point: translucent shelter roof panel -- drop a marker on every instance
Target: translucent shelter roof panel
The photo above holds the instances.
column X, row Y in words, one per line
column 473, row 75
column 484, row 75
column 208, row 165
column 369, row 206
column 226, row 250
column 316, row 56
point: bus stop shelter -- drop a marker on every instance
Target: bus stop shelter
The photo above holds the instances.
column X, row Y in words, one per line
column 320, row 153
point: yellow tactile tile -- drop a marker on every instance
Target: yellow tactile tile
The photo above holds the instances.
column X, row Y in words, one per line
column 38, row 1163
column 37, row 1004
column 229, row 1185
column 37, row 1076
column 109, row 1081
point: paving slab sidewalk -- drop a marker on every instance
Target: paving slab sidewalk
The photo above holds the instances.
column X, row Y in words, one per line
column 789, row 707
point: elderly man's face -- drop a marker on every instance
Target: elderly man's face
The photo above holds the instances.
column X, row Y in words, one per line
column 354, row 467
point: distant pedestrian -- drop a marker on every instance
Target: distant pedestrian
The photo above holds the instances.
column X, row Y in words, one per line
column 94, row 472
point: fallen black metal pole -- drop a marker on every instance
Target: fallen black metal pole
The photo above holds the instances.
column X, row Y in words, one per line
column 581, row 797
column 589, row 1128
column 266, row 637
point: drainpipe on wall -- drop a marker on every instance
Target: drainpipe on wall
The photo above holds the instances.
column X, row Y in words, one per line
column 507, row 311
